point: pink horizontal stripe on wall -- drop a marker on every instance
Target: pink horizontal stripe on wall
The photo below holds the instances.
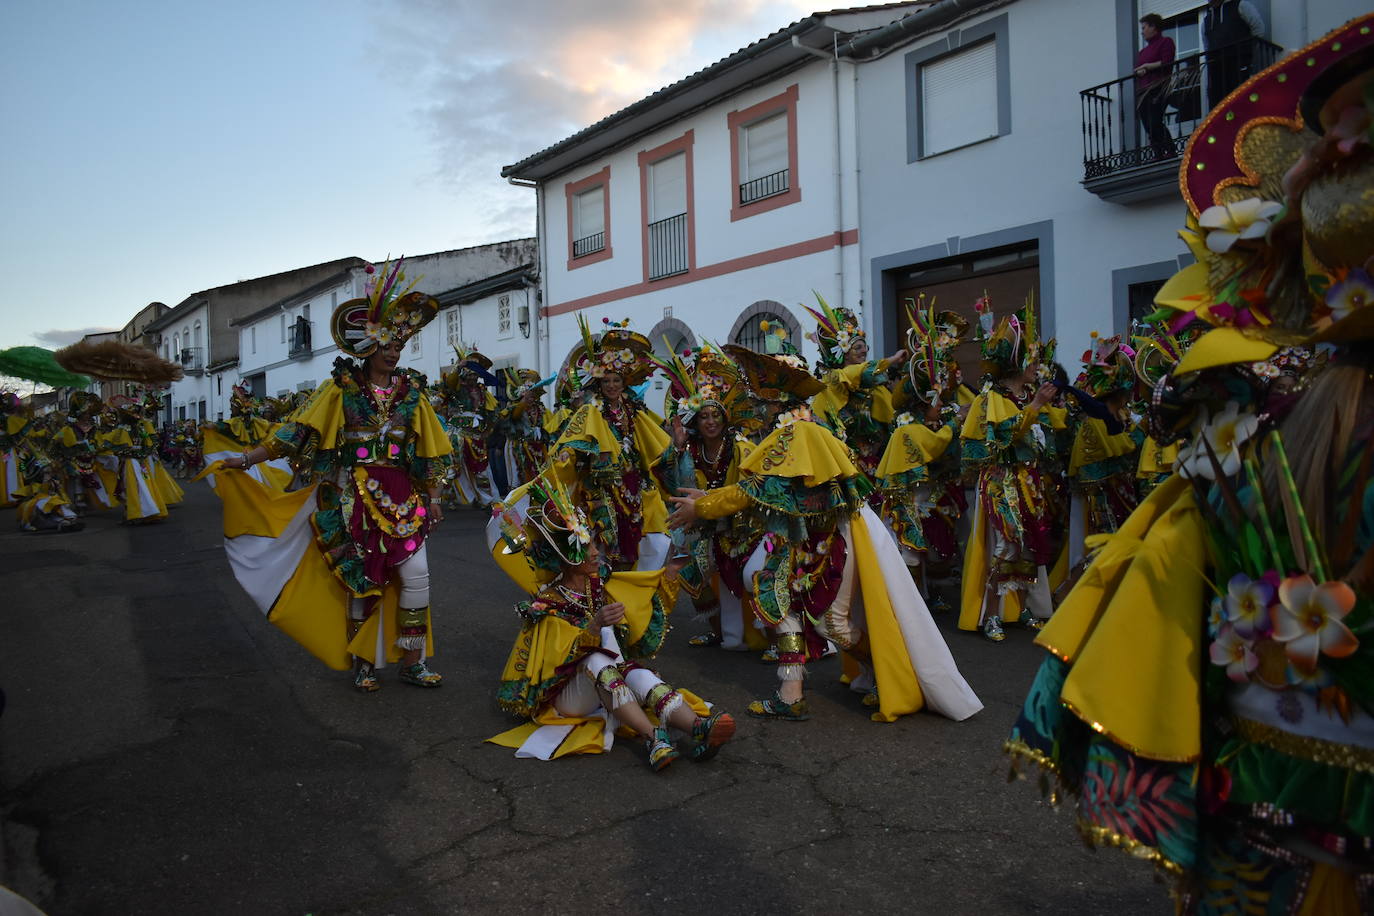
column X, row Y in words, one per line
column 734, row 265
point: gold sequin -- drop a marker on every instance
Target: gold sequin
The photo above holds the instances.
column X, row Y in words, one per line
column 1330, row 753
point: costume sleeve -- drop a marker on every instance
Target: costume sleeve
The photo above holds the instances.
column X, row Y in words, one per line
column 722, row 501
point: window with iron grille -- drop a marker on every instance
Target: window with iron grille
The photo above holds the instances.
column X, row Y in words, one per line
column 668, row 216
column 763, row 157
column 452, row 328
column 589, row 221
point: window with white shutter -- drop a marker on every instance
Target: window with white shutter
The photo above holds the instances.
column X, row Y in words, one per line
column 763, row 147
column 959, row 99
column 668, row 187
column 589, row 221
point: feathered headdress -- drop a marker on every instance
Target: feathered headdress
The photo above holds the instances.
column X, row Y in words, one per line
column 1107, row 366
column 553, row 531
column 932, row 338
column 617, row 349
column 391, row 311
column 713, row 380
column 519, row 382
column 837, row 329
column 115, row 360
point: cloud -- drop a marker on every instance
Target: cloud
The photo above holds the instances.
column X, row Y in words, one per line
column 56, row 338
column 503, row 80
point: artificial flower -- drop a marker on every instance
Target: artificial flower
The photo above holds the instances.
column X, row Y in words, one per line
column 1265, row 370
column 1354, row 292
column 1247, row 605
column 1233, row 651
column 1229, row 223
column 1308, row 620
column 1225, row 433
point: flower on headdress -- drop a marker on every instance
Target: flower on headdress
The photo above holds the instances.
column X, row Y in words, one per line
column 1229, row 223
column 1308, row 620
column 1355, row 291
column 1225, row 433
column 1265, row 369
column 1247, row 605
column 1233, row 651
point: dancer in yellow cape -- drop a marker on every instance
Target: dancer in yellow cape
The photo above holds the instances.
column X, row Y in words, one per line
column 821, row 566
column 1208, row 692
column 574, row 669
column 375, row 457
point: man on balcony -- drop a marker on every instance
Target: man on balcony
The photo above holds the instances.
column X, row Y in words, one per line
column 1153, row 64
column 1227, row 29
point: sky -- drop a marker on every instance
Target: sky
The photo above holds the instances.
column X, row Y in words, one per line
column 155, row 149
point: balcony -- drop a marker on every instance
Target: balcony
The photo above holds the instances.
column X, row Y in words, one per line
column 298, row 340
column 589, row 245
column 668, row 247
column 763, row 186
column 192, row 359
column 1120, row 163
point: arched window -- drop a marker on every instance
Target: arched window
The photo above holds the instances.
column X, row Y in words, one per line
column 195, row 335
column 176, row 346
column 748, row 333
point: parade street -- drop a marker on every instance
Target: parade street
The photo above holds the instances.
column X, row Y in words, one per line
column 166, row 750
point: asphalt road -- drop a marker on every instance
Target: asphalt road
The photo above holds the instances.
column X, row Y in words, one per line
column 166, row 750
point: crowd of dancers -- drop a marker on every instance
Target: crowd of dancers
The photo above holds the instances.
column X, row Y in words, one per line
column 1185, row 520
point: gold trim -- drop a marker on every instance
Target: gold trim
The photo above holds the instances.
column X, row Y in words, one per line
column 1315, row 750
column 1016, row 748
column 1098, row 836
column 1139, row 752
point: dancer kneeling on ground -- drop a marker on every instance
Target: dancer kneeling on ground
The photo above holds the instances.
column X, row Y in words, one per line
column 571, row 669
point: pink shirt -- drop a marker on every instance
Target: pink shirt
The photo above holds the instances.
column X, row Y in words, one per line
column 1161, row 49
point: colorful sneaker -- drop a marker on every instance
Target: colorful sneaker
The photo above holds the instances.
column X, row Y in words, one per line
column 661, row 750
column 992, row 628
column 871, row 698
column 1030, row 621
column 775, row 708
column 704, row 641
column 939, row 605
column 709, row 734
column 365, row 678
column 420, row 676
column 770, row 655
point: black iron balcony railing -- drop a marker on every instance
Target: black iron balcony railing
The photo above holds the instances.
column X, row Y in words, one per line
column 299, row 339
column 763, row 186
column 589, row 244
column 668, row 247
column 190, row 359
column 1137, row 121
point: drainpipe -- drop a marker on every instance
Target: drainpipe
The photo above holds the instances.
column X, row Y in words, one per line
column 541, row 240
column 834, row 60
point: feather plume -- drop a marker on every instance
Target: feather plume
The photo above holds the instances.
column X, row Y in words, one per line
column 115, row 360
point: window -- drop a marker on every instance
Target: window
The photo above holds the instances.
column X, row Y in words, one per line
column 219, row 384
column 959, row 99
column 589, row 221
column 589, row 218
column 752, row 335
column 453, row 326
column 176, row 346
column 201, row 412
column 283, row 327
column 415, row 345
column 763, row 155
column 253, row 339
column 503, row 317
column 665, row 176
column 763, row 158
column 195, row 335
column 958, row 90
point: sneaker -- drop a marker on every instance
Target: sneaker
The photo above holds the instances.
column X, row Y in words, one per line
column 871, row 698
column 769, row 656
column 704, row 641
column 420, row 676
column 365, row 678
column 709, row 734
column 1030, row 621
column 661, row 750
column 992, row 628
column 775, row 708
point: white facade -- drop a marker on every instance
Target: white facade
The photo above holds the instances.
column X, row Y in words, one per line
column 275, row 359
column 186, row 342
column 882, row 199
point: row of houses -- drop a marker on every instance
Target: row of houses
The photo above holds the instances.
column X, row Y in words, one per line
column 867, row 155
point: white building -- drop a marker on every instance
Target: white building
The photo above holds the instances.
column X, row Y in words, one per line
column 874, row 153
column 485, row 295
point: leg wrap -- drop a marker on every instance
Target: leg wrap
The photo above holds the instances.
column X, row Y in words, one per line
column 791, row 655
column 661, row 700
column 414, row 576
column 412, row 625
column 610, row 680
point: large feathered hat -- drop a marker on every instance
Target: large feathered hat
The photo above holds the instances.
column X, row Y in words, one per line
column 837, row 329
column 710, row 380
column 616, row 349
column 553, row 531
column 391, row 311
column 932, row 338
column 775, row 377
column 1107, row 366
column 1013, row 342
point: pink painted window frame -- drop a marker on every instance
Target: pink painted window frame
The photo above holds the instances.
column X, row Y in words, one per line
column 570, row 192
column 647, row 158
column 785, row 101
